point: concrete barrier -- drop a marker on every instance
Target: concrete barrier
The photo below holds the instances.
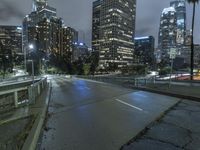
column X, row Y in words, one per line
column 16, row 97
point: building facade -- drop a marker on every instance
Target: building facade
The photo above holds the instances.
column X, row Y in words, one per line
column 47, row 32
column 69, row 38
column 167, row 31
column 96, row 25
column 113, row 28
column 81, row 51
column 41, row 15
column 180, row 7
column 11, row 36
column 11, row 47
column 144, row 50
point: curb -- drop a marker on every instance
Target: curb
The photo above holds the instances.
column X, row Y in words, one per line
column 188, row 97
column 34, row 134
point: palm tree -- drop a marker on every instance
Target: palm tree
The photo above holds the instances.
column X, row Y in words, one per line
column 194, row 2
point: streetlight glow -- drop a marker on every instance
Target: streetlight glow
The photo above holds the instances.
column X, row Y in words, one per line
column 31, row 46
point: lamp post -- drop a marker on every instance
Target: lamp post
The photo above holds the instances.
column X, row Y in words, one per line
column 28, row 47
column 31, row 47
column 33, row 74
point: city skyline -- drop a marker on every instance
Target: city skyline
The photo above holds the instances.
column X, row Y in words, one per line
column 82, row 20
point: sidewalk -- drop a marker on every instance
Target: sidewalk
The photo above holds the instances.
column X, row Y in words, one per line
column 177, row 129
column 20, row 122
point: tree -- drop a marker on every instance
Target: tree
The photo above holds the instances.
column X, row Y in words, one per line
column 194, row 2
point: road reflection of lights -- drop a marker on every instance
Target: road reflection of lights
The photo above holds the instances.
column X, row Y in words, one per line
column 140, row 94
column 81, row 87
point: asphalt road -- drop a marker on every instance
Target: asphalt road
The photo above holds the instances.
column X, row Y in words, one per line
column 89, row 115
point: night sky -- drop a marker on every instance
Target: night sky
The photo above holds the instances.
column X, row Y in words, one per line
column 78, row 14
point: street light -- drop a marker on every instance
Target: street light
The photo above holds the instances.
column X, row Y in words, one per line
column 31, row 46
column 32, row 66
column 28, row 47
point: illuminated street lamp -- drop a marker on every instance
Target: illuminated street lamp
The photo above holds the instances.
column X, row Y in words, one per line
column 31, row 46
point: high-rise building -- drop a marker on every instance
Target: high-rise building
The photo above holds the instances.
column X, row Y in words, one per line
column 10, row 46
column 47, row 32
column 38, row 4
column 41, row 11
column 11, row 36
column 56, row 25
column 113, row 32
column 186, row 50
column 69, row 38
column 180, row 7
column 167, row 32
column 144, row 50
column 81, row 51
column 197, row 55
column 96, row 25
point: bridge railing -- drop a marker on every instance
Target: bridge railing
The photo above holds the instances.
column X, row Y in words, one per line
column 136, row 81
column 140, row 81
column 23, row 95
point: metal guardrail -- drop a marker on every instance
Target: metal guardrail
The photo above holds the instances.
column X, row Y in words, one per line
column 15, row 78
column 22, row 95
column 140, row 81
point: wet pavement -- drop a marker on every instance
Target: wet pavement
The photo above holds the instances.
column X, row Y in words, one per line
column 86, row 115
column 179, row 129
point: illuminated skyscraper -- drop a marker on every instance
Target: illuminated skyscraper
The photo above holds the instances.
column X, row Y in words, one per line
column 38, row 4
column 168, row 31
column 180, row 7
column 41, row 11
column 69, row 37
column 10, row 47
column 47, row 32
column 96, row 25
column 113, row 28
column 11, row 37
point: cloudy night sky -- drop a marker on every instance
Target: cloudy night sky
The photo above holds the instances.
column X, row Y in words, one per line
column 78, row 14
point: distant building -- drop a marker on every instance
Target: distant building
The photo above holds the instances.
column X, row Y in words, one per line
column 96, row 25
column 172, row 32
column 11, row 37
column 158, row 55
column 144, row 50
column 69, row 38
column 197, row 55
column 10, row 47
column 180, row 8
column 186, row 52
column 81, row 51
column 113, row 32
column 38, row 4
column 167, row 32
column 41, row 11
column 47, row 32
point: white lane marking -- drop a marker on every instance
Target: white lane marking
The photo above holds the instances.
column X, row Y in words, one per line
column 129, row 105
